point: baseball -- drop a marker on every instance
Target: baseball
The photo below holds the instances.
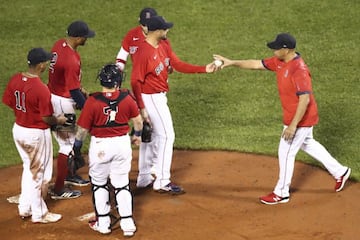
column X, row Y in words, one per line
column 218, row 62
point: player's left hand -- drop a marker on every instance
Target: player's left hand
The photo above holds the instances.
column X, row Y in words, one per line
column 226, row 62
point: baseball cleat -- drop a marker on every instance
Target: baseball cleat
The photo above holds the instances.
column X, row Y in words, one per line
column 94, row 225
column 25, row 215
column 128, row 227
column 340, row 183
column 13, row 199
column 66, row 194
column 171, row 188
column 272, row 199
column 49, row 218
column 76, row 180
column 145, row 181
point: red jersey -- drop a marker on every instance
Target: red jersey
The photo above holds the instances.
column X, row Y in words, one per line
column 64, row 69
column 103, row 120
column 132, row 40
column 149, row 74
column 30, row 99
column 293, row 80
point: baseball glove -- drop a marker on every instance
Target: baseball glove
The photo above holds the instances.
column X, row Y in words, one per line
column 146, row 132
column 68, row 126
column 75, row 160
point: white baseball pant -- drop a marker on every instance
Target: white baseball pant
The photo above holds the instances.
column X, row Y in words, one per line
column 287, row 151
column 163, row 138
column 36, row 151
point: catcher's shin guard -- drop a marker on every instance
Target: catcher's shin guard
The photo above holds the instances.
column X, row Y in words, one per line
column 123, row 202
column 101, row 202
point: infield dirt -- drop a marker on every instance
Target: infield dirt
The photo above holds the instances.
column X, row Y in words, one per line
column 221, row 202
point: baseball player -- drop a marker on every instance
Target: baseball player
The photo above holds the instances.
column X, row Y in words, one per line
column 300, row 114
column 149, row 81
column 66, row 95
column 133, row 38
column 30, row 100
column 129, row 46
column 105, row 116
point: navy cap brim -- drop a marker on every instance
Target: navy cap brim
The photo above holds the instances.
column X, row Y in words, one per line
column 169, row 25
column 90, row 34
column 274, row 45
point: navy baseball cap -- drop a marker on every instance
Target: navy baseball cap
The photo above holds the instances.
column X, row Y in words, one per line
column 38, row 55
column 145, row 14
column 283, row 40
column 80, row 29
column 158, row 23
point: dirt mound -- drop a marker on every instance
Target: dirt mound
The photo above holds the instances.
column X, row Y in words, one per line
column 221, row 202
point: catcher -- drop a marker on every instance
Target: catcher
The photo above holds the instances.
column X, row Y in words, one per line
column 105, row 116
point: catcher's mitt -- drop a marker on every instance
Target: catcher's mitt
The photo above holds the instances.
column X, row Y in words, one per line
column 68, row 126
column 146, row 132
column 75, row 160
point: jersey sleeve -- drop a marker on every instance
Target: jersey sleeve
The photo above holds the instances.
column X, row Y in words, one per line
column 86, row 116
column 125, row 44
column 302, row 81
column 73, row 75
column 270, row 63
column 134, row 110
column 121, row 58
column 180, row 65
column 138, row 74
column 44, row 99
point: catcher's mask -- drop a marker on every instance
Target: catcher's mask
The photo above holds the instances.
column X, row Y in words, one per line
column 110, row 76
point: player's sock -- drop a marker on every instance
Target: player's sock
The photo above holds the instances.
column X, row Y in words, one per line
column 62, row 170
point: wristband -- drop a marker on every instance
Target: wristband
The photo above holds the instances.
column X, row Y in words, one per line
column 137, row 133
column 77, row 143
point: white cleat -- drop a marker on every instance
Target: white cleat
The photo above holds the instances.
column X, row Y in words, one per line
column 128, row 227
column 49, row 218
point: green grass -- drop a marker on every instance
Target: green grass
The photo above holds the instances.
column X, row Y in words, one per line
column 233, row 109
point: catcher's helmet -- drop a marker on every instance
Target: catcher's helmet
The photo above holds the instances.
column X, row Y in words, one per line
column 110, row 76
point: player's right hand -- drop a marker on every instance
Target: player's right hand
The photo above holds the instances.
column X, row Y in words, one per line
column 226, row 61
column 136, row 140
column 144, row 115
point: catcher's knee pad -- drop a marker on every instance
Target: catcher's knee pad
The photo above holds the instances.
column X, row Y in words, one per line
column 101, row 201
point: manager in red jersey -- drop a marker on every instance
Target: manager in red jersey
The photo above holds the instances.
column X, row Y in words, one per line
column 105, row 116
column 300, row 114
column 30, row 100
column 66, row 95
column 149, row 81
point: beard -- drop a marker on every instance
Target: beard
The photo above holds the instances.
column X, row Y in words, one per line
column 83, row 41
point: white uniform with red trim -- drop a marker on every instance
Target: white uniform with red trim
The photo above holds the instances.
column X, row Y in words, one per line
column 149, row 80
column 110, row 153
